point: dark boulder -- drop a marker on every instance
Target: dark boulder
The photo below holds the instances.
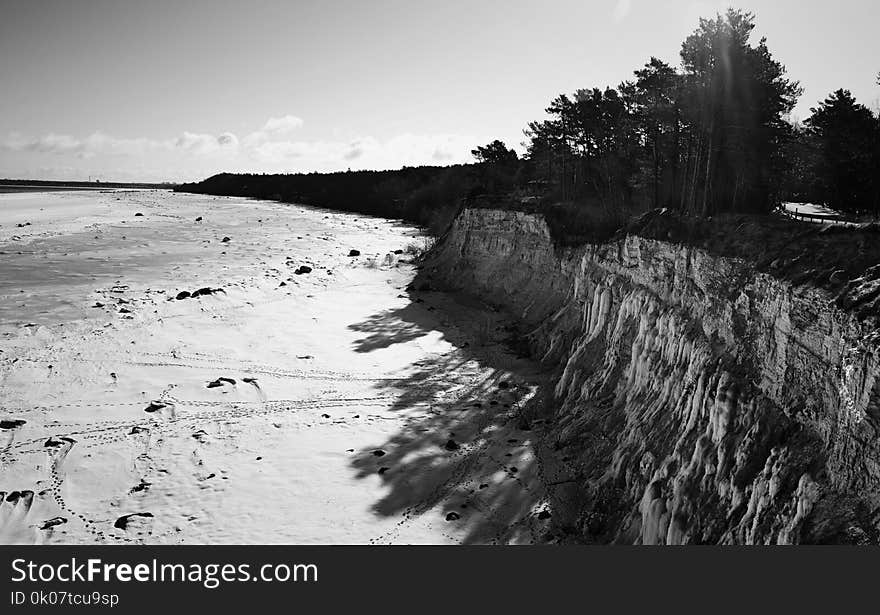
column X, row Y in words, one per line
column 220, row 382
column 122, row 522
column 155, row 406
column 50, row 523
column 53, row 442
column 205, row 292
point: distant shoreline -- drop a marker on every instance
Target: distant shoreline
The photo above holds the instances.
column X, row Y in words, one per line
column 27, row 185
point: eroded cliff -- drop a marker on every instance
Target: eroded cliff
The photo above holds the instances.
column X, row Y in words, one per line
column 701, row 397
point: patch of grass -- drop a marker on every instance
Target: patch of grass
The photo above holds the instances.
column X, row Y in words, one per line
column 573, row 224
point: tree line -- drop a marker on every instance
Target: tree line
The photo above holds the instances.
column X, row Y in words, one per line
column 427, row 195
column 834, row 156
column 710, row 136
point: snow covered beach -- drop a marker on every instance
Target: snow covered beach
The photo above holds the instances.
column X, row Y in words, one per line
column 186, row 369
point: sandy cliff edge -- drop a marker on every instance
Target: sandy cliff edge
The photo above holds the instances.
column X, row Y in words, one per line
column 699, row 398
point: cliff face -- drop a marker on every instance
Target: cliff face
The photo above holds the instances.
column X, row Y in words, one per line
column 699, row 399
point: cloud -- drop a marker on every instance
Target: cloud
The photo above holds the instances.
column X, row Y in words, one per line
column 205, row 144
column 227, row 139
column 621, row 10
column 94, row 144
column 276, row 128
column 49, row 144
column 272, row 148
column 282, row 125
column 100, row 143
column 353, row 154
column 368, row 152
column 276, row 151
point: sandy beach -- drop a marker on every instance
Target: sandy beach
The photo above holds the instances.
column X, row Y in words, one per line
column 186, row 369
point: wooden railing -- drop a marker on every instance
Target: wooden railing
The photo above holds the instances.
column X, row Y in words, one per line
column 819, row 218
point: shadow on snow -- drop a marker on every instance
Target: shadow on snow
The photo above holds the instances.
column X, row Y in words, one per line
column 471, row 446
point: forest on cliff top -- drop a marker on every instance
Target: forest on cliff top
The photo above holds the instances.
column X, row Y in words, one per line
column 708, row 137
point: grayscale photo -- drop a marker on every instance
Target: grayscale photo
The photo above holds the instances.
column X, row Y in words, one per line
column 570, row 272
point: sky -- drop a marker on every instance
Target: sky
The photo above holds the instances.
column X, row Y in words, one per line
column 161, row 90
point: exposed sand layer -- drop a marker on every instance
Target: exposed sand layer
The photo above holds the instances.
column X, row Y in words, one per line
column 329, row 406
column 709, row 389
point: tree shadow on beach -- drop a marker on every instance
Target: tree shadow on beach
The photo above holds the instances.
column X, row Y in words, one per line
column 471, row 448
column 391, row 327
